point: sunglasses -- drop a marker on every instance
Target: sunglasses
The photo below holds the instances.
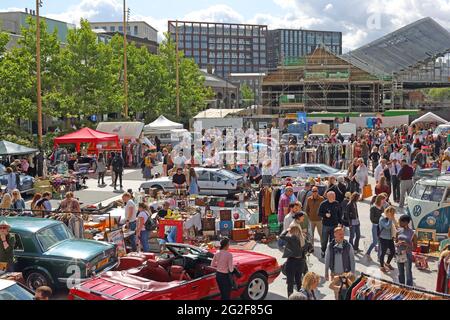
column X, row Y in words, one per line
column 3, row 227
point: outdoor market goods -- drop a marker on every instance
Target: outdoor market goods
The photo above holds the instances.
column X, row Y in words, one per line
column 239, row 224
column 367, row 191
column 240, row 235
column 225, row 215
column 209, row 224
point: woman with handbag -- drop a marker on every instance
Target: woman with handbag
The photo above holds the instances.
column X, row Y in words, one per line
column 223, row 262
column 294, row 252
column 406, row 241
column 387, row 232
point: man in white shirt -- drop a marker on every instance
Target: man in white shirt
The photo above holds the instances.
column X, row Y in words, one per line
column 379, row 170
column 396, row 155
column 394, row 169
column 130, row 217
column 180, row 160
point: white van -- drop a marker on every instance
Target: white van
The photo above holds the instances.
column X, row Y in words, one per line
column 429, row 205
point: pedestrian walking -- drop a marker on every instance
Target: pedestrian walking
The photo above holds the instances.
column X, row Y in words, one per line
column 148, row 165
column 330, row 212
column 394, row 171
column 376, row 211
column 223, row 262
column 354, row 223
column 294, row 252
column 339, row 257
column 117, row 165
column 374, row 158
column 130, row 215
column 387, row 232
column 406, row 182
column 405, row 242
column 100, row 169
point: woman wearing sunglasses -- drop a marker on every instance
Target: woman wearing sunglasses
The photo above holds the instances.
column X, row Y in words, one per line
column 6, row 248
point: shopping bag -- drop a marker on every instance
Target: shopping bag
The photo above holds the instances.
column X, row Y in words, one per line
column 367, row 191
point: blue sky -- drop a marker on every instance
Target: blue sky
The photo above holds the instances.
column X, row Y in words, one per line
column 360, row 21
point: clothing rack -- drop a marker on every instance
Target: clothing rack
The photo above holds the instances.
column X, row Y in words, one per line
column 404, row 286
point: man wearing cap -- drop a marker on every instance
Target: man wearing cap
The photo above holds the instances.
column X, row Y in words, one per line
column 283, row 204
column 6, row 248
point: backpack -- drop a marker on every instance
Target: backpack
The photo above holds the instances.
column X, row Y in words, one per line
column 150, row 224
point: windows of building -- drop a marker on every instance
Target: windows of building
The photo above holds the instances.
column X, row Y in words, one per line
column 112, row 28
column 120, row 29
column 136, row 30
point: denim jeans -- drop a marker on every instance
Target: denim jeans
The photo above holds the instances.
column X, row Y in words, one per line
column 133, row 237
column 327, row 236
column 143, row 238
column 374, row 239
column 281, row 244
column 355, row 235
column 405, row 269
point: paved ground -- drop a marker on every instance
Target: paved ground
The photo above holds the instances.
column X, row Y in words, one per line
column 422, row 279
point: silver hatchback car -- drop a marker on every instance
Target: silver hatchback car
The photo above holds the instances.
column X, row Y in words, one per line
column 211, row 181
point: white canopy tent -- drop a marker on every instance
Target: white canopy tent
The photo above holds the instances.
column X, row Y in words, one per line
column 430, row 117
column 161, row 125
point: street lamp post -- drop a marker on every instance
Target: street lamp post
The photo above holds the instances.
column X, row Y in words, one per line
column 126, row 13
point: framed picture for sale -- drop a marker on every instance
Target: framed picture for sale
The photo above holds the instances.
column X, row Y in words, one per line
column 426, row 234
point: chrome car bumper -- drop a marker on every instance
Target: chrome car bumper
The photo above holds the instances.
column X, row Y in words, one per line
column 109, row 268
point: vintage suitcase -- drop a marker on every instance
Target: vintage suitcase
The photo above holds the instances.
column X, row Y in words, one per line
column 240, row 235
column 226, row 225
column 239, row 224
column 225, row 215
column 208, row 224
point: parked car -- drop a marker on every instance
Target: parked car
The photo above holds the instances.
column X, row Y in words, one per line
column 212, row 181
column 185, row 273
column 442, row 129
column 48, row 255
column 310, row 170
column 11, row 290
column 26, row 183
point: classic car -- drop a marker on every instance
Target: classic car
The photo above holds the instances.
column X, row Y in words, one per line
column 48, row 255
column 212, row 181
column 26, row 182
column 11, row 290
column 185, row 273
column 310, row 170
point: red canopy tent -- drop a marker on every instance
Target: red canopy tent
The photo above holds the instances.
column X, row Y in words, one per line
column 92, row 137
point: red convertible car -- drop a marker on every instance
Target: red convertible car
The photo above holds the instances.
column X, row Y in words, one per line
column 185, row 273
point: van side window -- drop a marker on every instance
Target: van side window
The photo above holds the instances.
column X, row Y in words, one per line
column 433, row 193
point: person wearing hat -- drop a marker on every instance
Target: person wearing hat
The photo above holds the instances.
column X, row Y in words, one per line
column 6, row 248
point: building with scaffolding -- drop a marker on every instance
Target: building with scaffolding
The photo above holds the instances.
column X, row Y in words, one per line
column 376, row 77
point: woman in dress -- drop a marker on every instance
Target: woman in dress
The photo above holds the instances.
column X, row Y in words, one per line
column 193, row 182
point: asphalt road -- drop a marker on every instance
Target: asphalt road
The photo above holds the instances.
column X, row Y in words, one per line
column 278, row 290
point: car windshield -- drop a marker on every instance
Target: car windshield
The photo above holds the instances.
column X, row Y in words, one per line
column 229, row 174
column 15, row 292
column 183, row 250
column 51, row 236
column 328, row 168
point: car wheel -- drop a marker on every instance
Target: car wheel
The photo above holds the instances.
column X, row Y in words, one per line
column 36, row 279
column 257, row 287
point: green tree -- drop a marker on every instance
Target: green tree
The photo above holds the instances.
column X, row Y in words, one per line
column 90, row 81
column 439, row 94
column 247, row 95
column 4, row 39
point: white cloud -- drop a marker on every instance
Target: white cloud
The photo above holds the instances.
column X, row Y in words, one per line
column 328, row 7
column 216, row 13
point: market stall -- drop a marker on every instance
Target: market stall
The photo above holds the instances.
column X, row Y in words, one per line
column 13, row 149
column 429, row 117
column 89, row 140
column 163, row 129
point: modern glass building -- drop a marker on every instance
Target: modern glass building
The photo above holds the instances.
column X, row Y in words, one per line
column 286, row 45
column 226, row 47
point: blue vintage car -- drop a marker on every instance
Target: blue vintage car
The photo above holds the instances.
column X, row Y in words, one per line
column 48, row 255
